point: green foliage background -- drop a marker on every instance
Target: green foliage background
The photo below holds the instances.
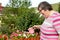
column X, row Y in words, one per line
column 19, row 17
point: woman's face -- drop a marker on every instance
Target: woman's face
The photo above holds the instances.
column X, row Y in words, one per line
column 44, row 12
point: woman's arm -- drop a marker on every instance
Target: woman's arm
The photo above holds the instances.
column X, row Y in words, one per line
column 59, row 37
column 37, row 26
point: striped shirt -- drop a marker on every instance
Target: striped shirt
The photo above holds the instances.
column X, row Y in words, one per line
column 50, row 29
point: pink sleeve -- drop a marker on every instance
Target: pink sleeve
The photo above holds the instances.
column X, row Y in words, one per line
column 56, row 24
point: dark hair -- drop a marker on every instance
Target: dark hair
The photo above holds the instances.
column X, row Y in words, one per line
column 37, row 31
column 45, row 6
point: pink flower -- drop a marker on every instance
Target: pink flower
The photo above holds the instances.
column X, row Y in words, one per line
column 11, row 36
column 15, row 34
column 31, row 30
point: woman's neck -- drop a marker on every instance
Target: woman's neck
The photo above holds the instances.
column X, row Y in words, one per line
column 49, row 13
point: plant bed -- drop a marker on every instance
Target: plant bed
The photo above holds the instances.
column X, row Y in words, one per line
column 3, row 37
column 23, row 36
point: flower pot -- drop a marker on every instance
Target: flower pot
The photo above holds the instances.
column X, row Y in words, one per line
column 12, row 39
column 38, row 38
column 32, row 38
column 29, row 38
column 5, row 37
column 35, row 38
column 21, row 39
column 25, row 38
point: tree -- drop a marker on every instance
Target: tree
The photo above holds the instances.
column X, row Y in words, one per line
column 20, row 3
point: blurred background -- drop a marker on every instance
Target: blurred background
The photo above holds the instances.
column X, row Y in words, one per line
column 21, row 14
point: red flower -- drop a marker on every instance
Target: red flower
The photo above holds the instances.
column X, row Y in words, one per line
column 0, row 36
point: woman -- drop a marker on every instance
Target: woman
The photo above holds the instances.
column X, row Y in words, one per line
column 50, row 29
